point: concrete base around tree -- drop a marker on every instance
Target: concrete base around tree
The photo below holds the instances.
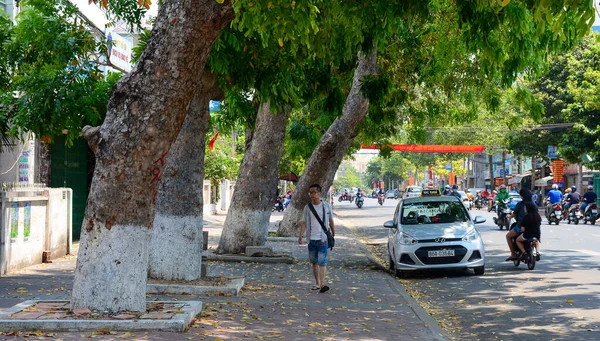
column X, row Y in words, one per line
column 277, row 258
column 232, row 288
column 24, row 316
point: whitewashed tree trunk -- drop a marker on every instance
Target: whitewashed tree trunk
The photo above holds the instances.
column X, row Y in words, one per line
column 330, row 151
column 247, row 220
column 145, row 113
column 176, row 245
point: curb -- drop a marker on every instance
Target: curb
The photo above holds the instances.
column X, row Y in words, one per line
column 437, row 332
column 233, row 288
column 177, row 323
column 278, row 258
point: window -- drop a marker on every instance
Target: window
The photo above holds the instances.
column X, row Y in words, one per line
column 435, row 212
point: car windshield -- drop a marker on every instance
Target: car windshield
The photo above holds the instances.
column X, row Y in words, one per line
column 415, row 189
column 433, row 212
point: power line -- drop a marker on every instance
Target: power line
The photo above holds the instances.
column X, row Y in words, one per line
column 469, row 129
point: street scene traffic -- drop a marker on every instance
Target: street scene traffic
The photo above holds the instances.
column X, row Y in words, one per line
column 332, row 170
column 557, row 300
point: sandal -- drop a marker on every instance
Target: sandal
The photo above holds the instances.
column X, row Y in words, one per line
column 510, row 259
column 323, row 289
column 315, row 287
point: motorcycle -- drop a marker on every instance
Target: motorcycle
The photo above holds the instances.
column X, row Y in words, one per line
column 381, row 198
column 531, row 246
column 359, row 200
column 574, row 214
column 478, row 203
column 590, row 214
column 553, row 213
column 278, row 205
column 345, row 196
column 492, row 207
column 503, row 221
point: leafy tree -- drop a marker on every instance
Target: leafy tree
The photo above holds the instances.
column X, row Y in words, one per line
column 53, row 89
column 348, row 176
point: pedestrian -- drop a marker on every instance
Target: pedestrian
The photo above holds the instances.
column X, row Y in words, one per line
column 315, row 222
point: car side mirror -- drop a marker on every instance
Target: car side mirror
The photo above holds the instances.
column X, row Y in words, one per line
column 479, row 219
column 389, row 224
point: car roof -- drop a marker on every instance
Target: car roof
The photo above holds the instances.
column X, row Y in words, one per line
column 429, row 199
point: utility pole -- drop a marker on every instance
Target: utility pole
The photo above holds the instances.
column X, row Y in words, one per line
column 504, row 167
column 533, row 167
column 492, row 180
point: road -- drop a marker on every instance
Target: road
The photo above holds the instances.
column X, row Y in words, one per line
column 558, row 300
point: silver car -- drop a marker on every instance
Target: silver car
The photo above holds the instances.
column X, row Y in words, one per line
column 434, row 232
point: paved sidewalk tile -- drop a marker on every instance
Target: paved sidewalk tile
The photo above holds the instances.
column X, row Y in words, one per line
column 364, row 302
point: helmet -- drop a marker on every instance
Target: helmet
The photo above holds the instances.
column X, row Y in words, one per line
column 568, row 190
column 502, row 186
column 574, row 188
column 455, row 187
column 495, row 191
column 478, row 191
column 590, row 187
column 555, row 186
column 447, row 187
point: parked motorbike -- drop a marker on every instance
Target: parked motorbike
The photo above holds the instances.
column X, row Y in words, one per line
column 590, row 214
column 503, row 221
column 359, row 200
column 553, row 213
column 345, row 196
column 381, row 198
column 278, row 205
column 574, row 214
column 531, row 246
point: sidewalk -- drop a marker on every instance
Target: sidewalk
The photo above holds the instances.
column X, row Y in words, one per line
column 364, row 302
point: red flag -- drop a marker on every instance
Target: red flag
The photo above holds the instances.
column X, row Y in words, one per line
column 211, row 144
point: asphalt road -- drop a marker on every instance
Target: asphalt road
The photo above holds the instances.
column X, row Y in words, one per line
column 558, row 300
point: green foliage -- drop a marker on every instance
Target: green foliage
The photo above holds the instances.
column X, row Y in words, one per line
column 223, row 162
column 347, row 176
column 54, row 85
column 393, row 168
column 131, row 12
column 136, row 51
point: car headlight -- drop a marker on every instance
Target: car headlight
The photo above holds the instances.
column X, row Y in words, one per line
column 471, row 236
column 406, row 239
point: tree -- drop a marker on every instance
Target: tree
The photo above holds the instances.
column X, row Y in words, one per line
column 485, row 46
column 145, row 112
column 51, row 90
column 348, row 176
column 176, row 245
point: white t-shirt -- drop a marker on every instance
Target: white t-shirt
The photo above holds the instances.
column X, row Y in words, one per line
column 316, row 229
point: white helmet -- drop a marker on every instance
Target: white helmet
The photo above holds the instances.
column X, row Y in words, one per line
column 590, row 187
column 555, row 186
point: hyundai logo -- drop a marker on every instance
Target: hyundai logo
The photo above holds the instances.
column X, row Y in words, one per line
column 440, row 240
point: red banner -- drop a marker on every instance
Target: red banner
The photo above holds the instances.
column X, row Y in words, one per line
column 429, row 148
column 558, row 167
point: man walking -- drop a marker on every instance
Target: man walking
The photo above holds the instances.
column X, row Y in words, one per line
column 315, row 222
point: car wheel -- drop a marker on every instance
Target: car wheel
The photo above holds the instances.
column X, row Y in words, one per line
column 480, row 270
column 391, row 265
column 399, row 273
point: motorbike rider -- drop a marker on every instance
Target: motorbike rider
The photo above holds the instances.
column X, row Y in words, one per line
column 572, row 198
column 502, row 195
column 454, row 192
column 519, row 213
column 531, row 227
column 478, row 196
column 589, row 197
column 553, row 197
column 447, row 190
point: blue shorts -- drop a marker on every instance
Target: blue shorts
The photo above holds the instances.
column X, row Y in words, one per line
column 317, row 252
column 517, row 229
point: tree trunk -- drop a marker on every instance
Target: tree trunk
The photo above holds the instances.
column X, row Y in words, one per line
column 145, row 112
column 247, row 221
column 492, row 180
column 176, row 246
column 334, row 144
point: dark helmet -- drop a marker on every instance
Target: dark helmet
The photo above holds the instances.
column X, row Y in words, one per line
column 574, row 188
column 455, row 187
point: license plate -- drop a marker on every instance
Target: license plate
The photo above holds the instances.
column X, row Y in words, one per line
column 594, row 211
column 557, row 213
column 441, row 253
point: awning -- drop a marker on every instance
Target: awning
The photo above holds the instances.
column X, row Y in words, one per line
column 289, row 177
column 542, row 181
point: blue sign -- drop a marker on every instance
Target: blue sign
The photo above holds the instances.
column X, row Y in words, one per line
column 501, row 171
column 449, row 166
column 214, row 106
column 552, row 152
